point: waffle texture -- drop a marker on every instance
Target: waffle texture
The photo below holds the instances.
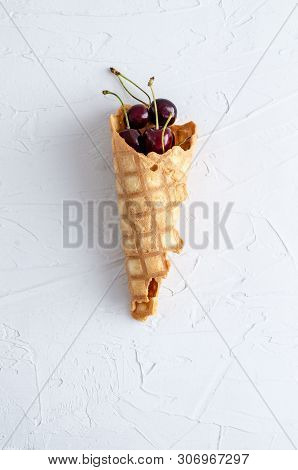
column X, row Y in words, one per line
column 150, row 189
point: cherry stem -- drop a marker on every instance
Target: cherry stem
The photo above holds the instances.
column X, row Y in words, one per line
column 163, row 132
column 120, row 76
column 150, row 84
column 106, row 92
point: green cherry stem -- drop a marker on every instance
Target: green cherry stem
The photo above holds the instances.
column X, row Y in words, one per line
column 106, row 92
column 163, row 132
column 150, row 84
column 121, row 76
column 131, row 94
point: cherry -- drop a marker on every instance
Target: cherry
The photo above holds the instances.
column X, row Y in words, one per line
column 158, row 140
column 132, row 137
column 164, row 108
column 138, row 116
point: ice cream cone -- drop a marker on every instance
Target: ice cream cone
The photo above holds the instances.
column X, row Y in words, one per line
column 150, row 190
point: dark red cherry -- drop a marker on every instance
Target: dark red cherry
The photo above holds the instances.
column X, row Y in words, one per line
column 133, row 138
column 164, row 109
column 152, row 140
column 138, row 116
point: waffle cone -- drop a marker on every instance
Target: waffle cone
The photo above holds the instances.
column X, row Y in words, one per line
column 150, row 190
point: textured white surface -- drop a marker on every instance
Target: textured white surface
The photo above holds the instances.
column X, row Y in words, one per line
column 171, row 382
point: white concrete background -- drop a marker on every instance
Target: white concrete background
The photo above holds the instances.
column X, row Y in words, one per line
column 171, row 382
